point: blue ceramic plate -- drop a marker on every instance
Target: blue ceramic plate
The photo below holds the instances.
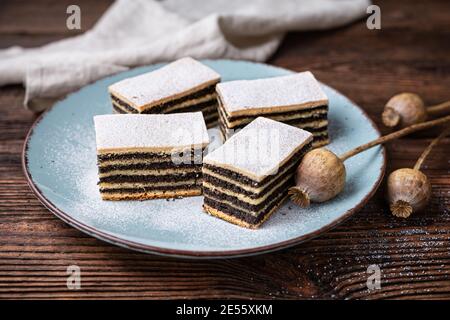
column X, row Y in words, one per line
column 59, row 161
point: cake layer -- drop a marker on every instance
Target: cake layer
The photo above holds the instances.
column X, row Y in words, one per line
column 247, row 186
column 258, row 150
column 239, row 217
column 104, row 186
column 244, row 202
column 224, row 203
column 208, row 109
column 315, row 124
column 155, row 161
column 300, row 113
column 319, row 112
column 142, row 159
column 133, row 155
column 245, row 199
column 315, row 131
column 154, row 172
column 149, row 189
column 321, row 141
column 315, row 121
column 172, row 81
column 151, row 178
column 150, row 133
column 278, row 94
column 212, row 121
column 157, row 156
column 312, row 126
column 144, row 166
column 246, row 190
column 244, row 181
column 192, row 106
column 320, row 134
column 154, row 194
column 201, row 96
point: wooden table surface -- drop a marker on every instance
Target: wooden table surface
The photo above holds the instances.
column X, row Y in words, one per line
column 409, row 53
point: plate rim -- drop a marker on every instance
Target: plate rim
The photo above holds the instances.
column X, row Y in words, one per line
column 182, row 253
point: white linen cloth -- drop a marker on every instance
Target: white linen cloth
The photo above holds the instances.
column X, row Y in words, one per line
column 140, row 32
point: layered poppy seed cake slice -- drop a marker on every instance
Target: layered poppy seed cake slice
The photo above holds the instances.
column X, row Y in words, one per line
column 296, row 99
column 150, row 156
column 247, row 178
column 185, row 85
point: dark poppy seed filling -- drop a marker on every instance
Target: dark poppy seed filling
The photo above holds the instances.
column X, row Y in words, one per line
column 245, row 193
column 276, row 185
column 284, row 172
column 240, row 178
column 146, row 189
column 133, row 155
column 115, row 171
column 243, row 215
column 316, row 123
column 140, row 158
column 317, row 112
column 149, row 178
column 208, row 107
column 295, row 99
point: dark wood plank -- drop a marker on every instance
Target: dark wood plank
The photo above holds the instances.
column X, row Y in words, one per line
column 410, row 53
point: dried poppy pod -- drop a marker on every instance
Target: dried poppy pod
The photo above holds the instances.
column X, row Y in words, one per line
column 406, row 109
column 408, row 190
column 321, row 174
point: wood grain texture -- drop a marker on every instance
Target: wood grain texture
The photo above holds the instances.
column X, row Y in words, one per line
column 409, row 53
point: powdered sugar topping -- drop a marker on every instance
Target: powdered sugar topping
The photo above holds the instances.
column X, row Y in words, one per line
column 150, row 131
column 260, row 148
column 291, row 90
column 175, row 78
